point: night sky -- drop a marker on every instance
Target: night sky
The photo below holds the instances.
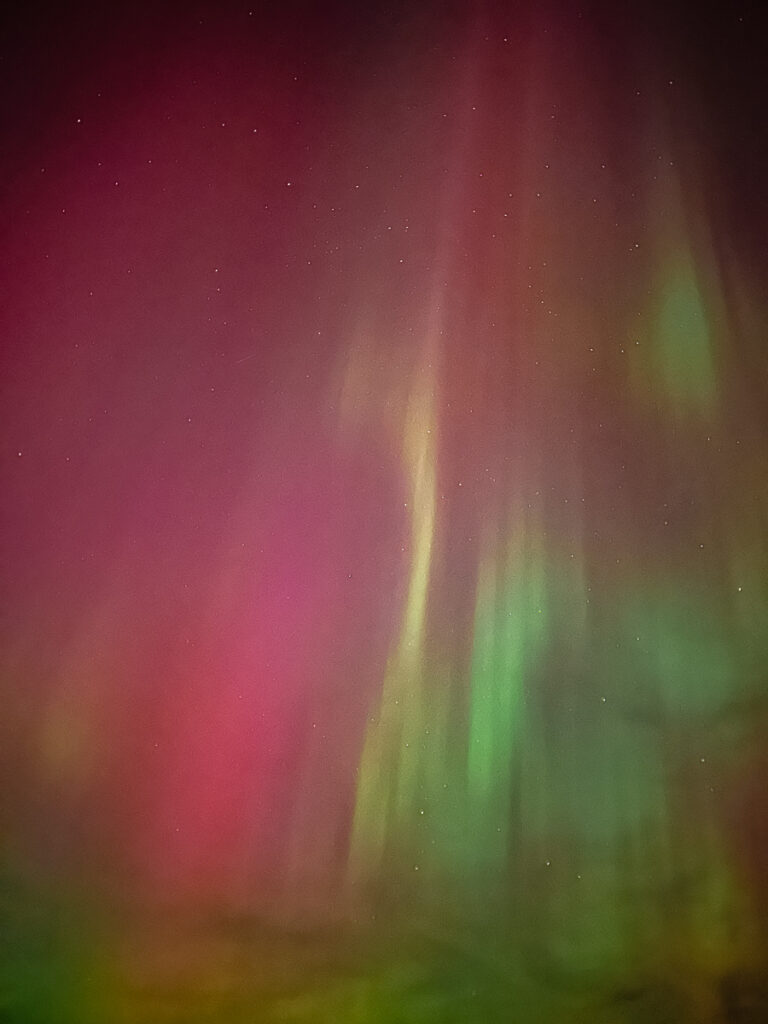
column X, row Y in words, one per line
column 384, row 521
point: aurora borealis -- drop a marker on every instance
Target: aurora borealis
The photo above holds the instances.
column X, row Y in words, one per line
column 385, row 515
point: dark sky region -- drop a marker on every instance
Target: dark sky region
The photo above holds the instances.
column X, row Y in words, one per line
column 384, row 524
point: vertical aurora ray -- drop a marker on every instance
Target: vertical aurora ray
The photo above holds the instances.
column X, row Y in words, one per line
column 682, row 338
column 386, row 799
column 676, row 361
column 509, row 638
